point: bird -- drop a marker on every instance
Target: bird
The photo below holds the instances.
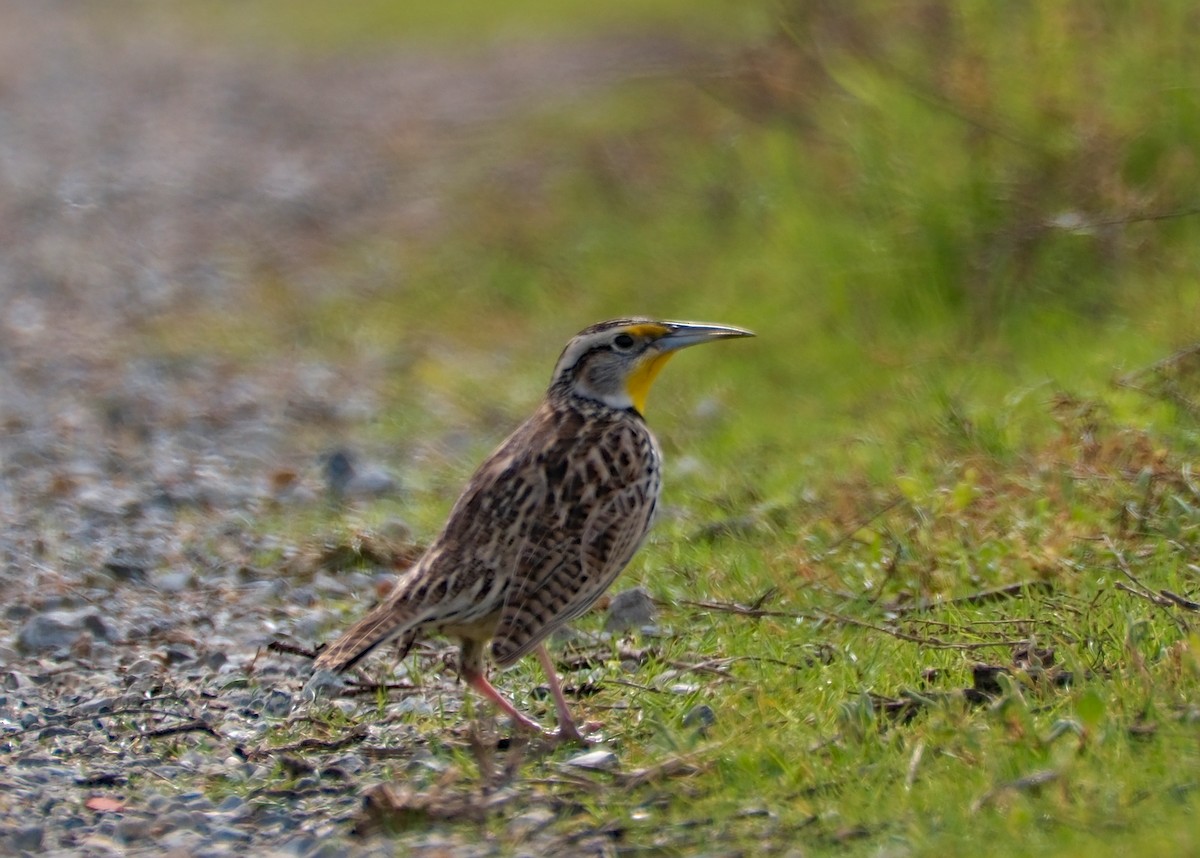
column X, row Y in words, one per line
column 546, row 523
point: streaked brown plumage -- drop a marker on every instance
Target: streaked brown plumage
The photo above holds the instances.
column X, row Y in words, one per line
column 548, row 521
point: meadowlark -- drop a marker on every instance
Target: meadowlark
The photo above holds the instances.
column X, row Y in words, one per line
column 548, row 520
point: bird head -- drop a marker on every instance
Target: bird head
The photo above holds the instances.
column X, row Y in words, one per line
column 616, row 362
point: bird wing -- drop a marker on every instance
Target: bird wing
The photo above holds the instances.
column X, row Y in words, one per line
column 571, row 554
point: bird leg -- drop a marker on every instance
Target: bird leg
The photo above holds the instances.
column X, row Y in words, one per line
column 478, row 681
column 567, row 730
column 566, row 724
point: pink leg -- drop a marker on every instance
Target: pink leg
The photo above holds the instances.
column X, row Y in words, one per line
column 479, row 682
column 566, row 724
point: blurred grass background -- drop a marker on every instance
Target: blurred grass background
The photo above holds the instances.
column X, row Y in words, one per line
column 314, row 26
column 920, row 206
column 954, row 226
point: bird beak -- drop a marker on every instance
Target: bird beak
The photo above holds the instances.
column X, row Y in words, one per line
column 672, row 336
column 680, row 335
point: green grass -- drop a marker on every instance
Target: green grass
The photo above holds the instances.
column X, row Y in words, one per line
column 943, row 221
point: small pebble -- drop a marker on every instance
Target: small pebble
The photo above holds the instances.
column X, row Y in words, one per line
column 215, row 660
column 396, row 530
column 339, row 471
column 50, row 631
column 18, row 612
column 629, row 609
column 156, row 802
column 143, row 667
column 125, row 566
column 96, row 624
column 27, row 839
column 100, row 705
column 227, row 834
column 173, row 580
column 213, row 849
column 324, row 683
column 300, row 845
column 230, row 802
column 132, row 829
column 199, row 801
column 605, row 761
column 184, row 842
column 278, row 704
column 531, row 820
column 345, row 478
column 701, row 716
column 184, row 820
column 372, row 482
column 178, row 654
column 326, row 849
column 98, row 844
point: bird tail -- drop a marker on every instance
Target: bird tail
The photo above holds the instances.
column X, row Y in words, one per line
column 380, row 625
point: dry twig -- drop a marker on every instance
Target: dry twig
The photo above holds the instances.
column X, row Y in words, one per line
column 193, row 726
column 355, row 736
column 933, row 643
column 983, row 597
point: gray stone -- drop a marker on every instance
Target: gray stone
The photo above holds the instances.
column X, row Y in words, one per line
column 143, row 667
column 27, row 838
column 185, row 820
column 93, row 622
column 197, row 801
column 372, row 482
column 701, row 716
column 326, row 849
column 345, row 478
column 127, row 565
column 300, row 845
column 230, row 802
column 278, row 704
column 324, row 683
column 396, row 530
column 48, row 632
column 175, row 654
column 156, row 802
column 173, row 580
column 99, row 706
column 133, row 829
column 629, row 609
column 215, row 660
column 228, row 834
column 54, row 630
column 214, row 849
column 18, row 612
column 599, row 760
column 185, row 842
column 98, row 844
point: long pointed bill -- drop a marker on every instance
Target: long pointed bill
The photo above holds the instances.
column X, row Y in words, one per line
column 678, row 335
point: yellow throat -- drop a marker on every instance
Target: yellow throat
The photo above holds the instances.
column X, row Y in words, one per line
column 637, row 384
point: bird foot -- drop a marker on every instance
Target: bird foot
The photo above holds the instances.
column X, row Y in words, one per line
column 569, row 733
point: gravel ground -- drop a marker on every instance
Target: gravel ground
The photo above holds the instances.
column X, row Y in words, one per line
column 141, row 176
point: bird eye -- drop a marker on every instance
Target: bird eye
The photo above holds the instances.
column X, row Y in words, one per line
column 623, row 341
